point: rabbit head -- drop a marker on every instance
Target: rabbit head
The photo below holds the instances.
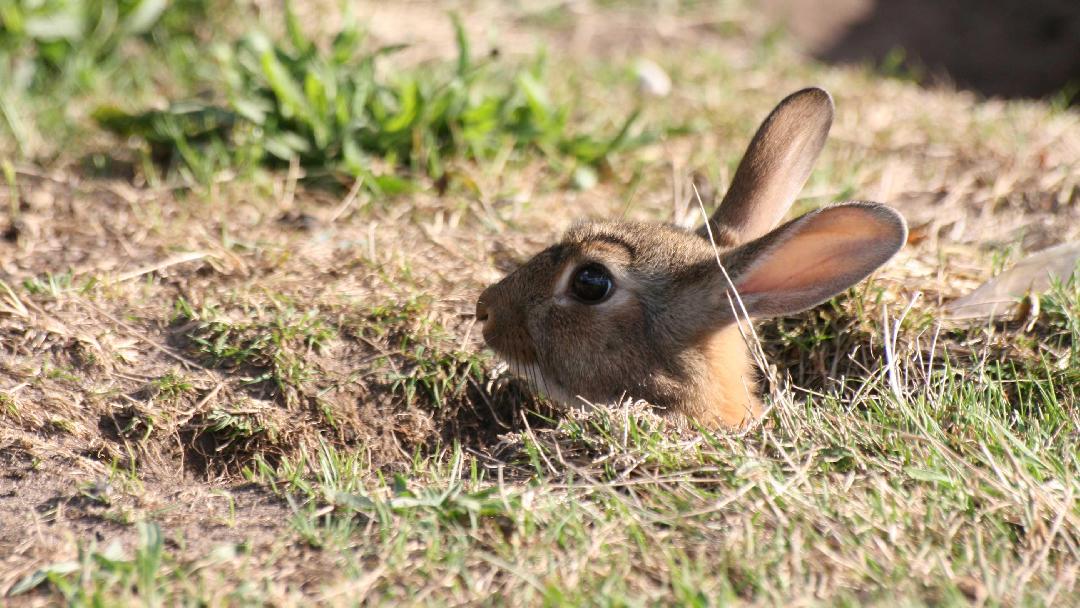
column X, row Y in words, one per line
column 650, row 311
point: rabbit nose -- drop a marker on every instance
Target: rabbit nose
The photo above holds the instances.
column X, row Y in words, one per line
column 481, row 311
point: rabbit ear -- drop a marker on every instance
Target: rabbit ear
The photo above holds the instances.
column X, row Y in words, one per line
column 813, row 258
column 774, row 169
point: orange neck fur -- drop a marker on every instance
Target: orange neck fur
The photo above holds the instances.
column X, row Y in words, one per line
column 727, row 393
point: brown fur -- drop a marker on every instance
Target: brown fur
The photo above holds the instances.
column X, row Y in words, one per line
column 667, row 333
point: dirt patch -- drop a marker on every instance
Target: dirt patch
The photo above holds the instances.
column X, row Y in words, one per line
column 50, row 509
column 293, row 328
column 121, row 363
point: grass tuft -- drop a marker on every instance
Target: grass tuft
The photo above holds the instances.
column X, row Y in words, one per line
column 337, row 108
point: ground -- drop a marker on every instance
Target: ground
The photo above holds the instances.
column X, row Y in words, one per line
column 230, row 381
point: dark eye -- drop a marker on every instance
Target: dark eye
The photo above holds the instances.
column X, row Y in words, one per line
column 592, row 283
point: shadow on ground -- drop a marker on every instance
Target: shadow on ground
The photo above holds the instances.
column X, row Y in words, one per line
column 997, row 48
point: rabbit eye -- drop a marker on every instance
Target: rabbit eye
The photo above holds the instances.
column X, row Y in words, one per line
column 592, row 283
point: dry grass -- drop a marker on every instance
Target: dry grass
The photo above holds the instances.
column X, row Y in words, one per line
column 286, row 379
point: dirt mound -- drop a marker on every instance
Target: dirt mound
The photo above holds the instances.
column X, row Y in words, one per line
column 189, row 366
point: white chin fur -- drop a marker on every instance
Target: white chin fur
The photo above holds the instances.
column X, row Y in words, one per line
column 552, row 390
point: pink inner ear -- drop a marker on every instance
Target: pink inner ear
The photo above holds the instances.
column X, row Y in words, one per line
column 823, row 252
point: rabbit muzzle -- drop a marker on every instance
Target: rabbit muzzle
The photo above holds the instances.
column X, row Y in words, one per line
column 502, row 326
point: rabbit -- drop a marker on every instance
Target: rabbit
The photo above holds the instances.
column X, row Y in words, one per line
column 621, row 310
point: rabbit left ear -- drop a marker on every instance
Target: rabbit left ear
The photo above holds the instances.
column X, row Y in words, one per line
column 777, row 163
column 813, row 258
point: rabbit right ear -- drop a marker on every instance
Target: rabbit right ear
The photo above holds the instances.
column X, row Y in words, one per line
column 811, row 259
column 774, row 169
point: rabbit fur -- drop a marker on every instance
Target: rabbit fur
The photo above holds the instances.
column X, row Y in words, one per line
column 650, row 311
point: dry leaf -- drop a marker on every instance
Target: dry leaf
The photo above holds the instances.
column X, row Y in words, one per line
column 997, row 296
